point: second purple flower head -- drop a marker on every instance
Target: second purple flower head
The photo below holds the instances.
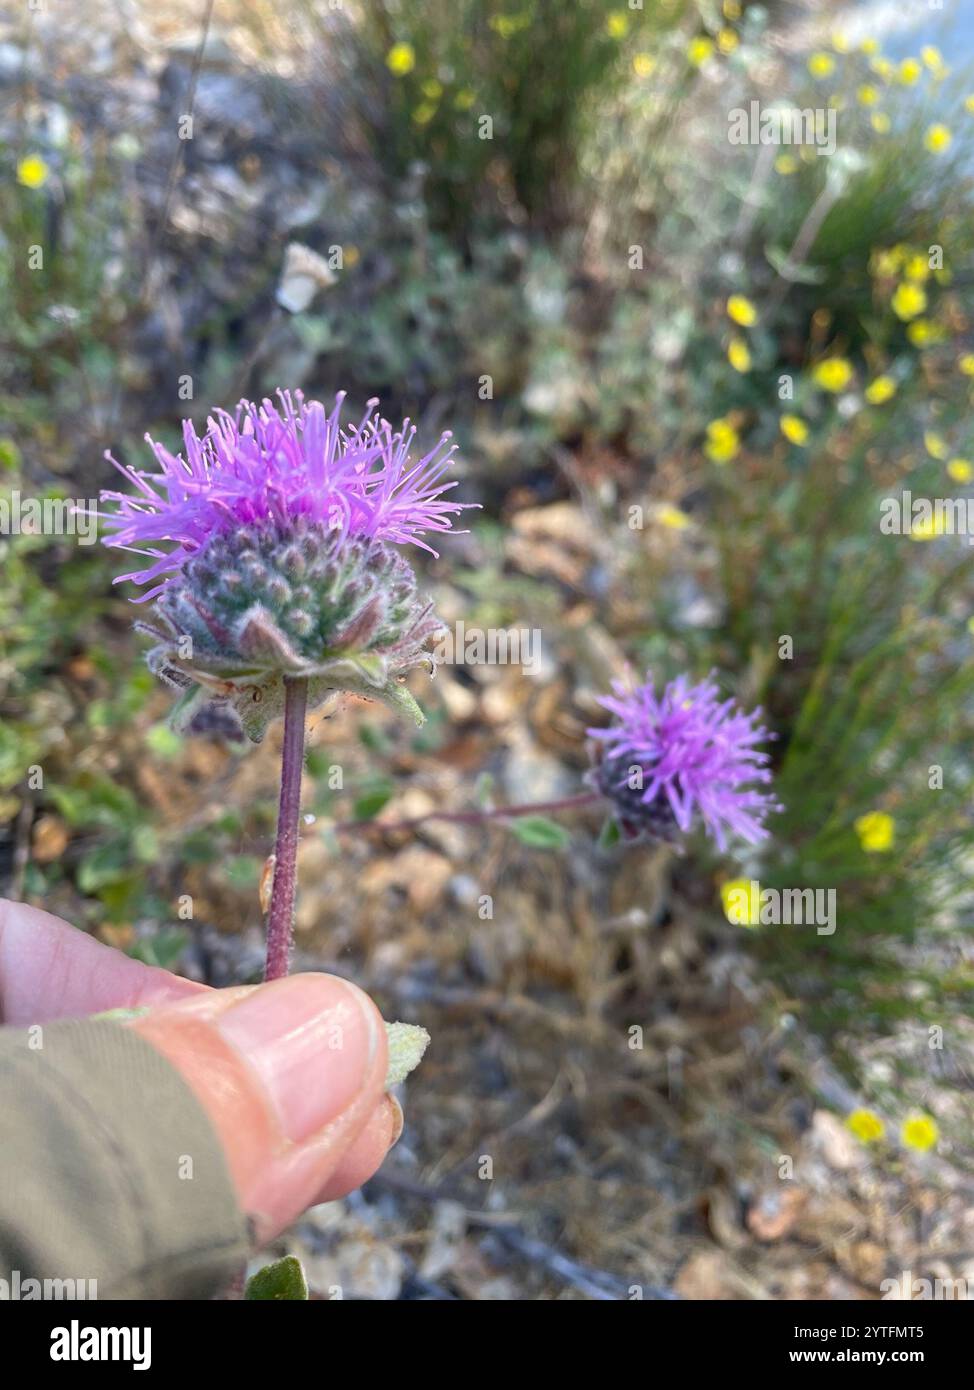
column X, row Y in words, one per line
column 684, row 755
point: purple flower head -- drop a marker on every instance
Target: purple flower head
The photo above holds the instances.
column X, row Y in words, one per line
column 685, row 753
column 269, row 464
column 271, row 556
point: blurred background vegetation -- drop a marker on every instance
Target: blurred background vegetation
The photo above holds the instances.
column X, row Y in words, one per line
column 683, row 374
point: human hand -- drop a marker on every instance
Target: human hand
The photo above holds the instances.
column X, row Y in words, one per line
column 291, row 1074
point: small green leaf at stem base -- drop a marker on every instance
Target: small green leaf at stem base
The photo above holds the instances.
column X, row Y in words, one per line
column 540, row 833
column 373, row 798
column 284, row 1280
column 610, row 834
column 407, row 1042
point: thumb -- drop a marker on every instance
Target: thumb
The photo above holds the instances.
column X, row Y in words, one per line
column 292, row 1076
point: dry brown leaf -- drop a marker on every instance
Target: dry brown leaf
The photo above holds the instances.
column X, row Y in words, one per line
column 49, row 839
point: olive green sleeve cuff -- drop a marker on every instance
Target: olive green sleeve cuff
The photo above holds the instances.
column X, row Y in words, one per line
column 110, row 1170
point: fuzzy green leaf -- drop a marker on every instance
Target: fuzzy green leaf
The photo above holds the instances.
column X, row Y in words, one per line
column 282, row 1281
column 540, row 833
column 407, row 1043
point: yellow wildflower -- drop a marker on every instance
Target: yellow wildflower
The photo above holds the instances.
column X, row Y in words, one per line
column 821, row 65
column 933, row 57
column 673, row 517
column 924, row 333
column 832, row 374
column 699, row 50
column 727, row 40
column 741, row 899
column 876, row 831
column 723, row 442
column 965, row 364
column 617, row 24
column 961, row 470
column 880, row 390
column 908, row 301
column 794, row 428
column 909, row 72
column 401, row 59
column 742, row 311
column 786, row 164
column 880, row 122
column 937, row 138
column 920, row 1132
column 643, row 64
column 507, row 25
column 935, row 444
column 867, row 95
column 739, row 355
column 866, row 1126
column 32, row 171
column 928, row 529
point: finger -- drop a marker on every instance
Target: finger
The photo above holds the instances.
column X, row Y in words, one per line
column 49, row 969
column 365, row 1156
column 289, row 1074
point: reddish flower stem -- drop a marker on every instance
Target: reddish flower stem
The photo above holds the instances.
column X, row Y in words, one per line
column 280, row 919
column 568, row 803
